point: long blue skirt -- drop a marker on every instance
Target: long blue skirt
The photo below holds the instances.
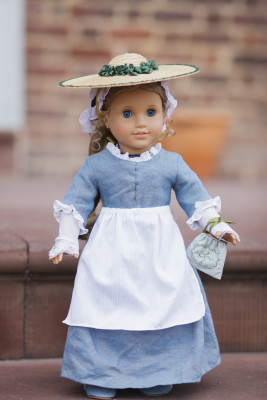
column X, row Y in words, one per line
column 122, row 359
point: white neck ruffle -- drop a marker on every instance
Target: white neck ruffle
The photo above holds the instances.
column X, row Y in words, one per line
column 147, row 155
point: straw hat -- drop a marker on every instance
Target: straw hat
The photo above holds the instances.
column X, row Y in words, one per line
column 130, row 69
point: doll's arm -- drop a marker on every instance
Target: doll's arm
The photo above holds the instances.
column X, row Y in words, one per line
column 198, row 204
column 73, row 211
column 188, row 188
column 70, row 227
column 206, row 211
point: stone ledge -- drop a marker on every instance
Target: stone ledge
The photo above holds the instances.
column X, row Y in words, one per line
column 33, row 307
column 28, row 228
column 13, row 253
column 246, row 261
column 19, row 256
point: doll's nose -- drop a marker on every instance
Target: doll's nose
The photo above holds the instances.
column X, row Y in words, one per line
column 140, row 121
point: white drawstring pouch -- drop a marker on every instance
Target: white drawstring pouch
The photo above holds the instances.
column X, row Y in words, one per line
column 207, row 254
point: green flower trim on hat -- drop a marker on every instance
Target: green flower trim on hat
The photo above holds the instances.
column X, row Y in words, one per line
column 144, row 68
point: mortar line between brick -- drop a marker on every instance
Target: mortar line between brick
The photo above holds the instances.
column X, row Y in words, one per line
column 26, row 279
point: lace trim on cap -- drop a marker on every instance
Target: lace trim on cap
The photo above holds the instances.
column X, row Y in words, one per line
column 90, row 113
column 68, row 209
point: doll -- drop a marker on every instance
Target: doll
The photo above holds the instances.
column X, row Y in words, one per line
column 139, row 317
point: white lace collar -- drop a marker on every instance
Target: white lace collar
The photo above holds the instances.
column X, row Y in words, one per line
column 147, row 155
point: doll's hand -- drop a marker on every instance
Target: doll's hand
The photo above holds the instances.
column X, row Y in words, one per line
column 59, row 258
column 229, row 237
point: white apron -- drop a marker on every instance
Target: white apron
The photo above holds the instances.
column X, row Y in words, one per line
column 133, row 274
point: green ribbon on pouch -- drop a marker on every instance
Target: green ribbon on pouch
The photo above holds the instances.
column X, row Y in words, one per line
column 129, row 69
column 215, row 221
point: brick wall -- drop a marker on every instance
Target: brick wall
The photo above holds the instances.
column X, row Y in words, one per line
column 225, row 38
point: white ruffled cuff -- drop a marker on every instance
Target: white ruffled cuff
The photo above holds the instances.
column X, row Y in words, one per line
column 64, row 246
column 204, row 211
column 60, row 207
column 71, row 225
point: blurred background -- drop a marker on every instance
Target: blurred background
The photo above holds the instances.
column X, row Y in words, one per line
column 220, row 128
column 221, row 117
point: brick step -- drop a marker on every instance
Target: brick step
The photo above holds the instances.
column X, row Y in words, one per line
column 35, row 294
column 32, row 309
column 240, row 376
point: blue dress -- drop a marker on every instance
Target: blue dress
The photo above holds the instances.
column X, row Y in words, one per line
column 139, row 358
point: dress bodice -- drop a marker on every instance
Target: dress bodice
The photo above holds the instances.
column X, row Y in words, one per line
column 126, row 184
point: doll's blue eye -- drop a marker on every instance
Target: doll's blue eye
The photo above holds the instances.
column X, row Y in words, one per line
column 151, row 112
column 127, row 114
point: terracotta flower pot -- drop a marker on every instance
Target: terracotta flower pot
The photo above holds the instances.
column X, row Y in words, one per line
column 199, row 139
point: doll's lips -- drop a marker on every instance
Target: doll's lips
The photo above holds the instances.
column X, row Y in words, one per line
column 140, row 133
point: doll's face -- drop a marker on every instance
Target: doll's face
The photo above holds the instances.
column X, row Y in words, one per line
column 135, row 119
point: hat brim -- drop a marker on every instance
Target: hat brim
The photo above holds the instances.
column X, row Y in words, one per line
column 165, row 72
